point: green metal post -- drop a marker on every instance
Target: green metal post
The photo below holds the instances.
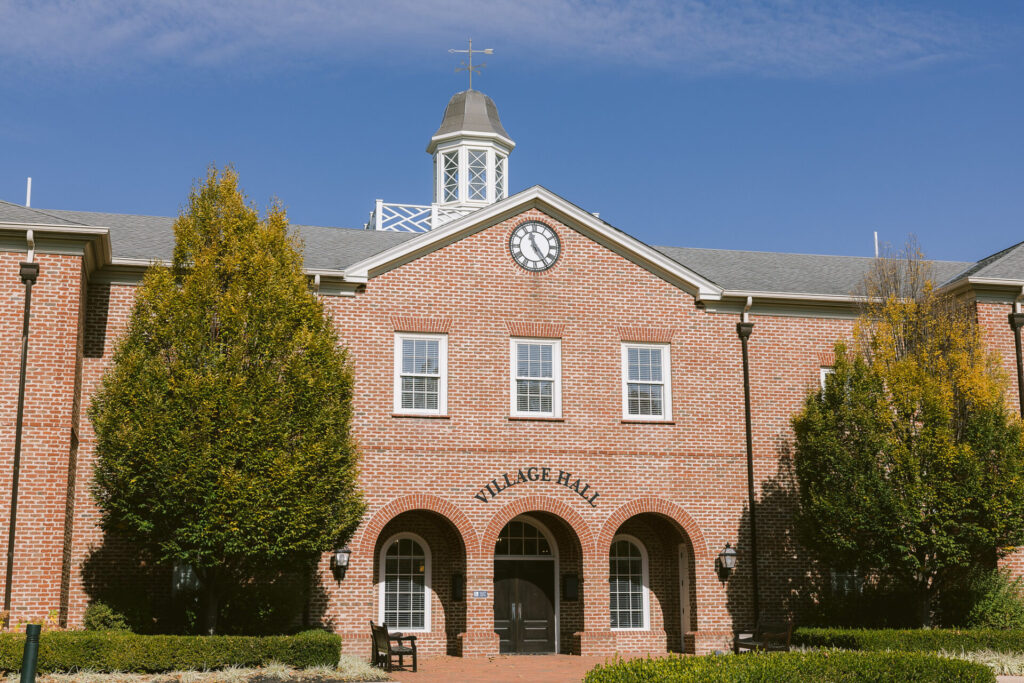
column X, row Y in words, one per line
column 28, row 660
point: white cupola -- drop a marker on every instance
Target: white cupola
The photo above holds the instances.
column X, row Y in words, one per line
column 470, row 152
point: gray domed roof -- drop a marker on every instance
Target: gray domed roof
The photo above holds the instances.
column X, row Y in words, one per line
column 471, row 111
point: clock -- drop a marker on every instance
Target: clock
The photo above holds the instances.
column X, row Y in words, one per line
column 534, row 246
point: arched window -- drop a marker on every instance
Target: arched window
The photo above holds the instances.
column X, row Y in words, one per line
column 521, row 538
column 405, row 583
column 627, row 580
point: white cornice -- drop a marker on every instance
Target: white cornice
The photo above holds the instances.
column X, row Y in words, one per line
column 566, row 212
column 469, row 135
column 92, row 243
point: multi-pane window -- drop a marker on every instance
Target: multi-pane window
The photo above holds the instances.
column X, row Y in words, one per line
column 420, row 374
column 536, row 378
column 646, row 388
column 450, row 181
column 627, row 577
column 405, row 602
column 825, row 372
column 499, row 177
column 521, row 538
column 477, row 168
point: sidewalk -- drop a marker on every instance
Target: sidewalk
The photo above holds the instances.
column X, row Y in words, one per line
column 501, row 669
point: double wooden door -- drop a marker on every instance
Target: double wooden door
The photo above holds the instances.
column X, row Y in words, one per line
column 524, row 606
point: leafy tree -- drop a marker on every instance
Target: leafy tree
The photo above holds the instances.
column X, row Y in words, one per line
column 223, row 423
column 909, row 463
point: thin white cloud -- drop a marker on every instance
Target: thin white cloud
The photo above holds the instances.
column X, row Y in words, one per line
column 781, row 37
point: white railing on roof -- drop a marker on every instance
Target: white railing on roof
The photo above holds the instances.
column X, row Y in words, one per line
column 412, row 217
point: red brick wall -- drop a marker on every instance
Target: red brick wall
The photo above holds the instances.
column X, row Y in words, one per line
column 47, row 426
column 697, row 463
column 682, row 482
column 993, row 318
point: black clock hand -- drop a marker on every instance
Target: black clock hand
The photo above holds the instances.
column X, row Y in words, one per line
column 536, row 249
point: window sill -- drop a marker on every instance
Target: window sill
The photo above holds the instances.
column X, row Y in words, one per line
column 647, row 422
column 427, row 416
column 531, row 418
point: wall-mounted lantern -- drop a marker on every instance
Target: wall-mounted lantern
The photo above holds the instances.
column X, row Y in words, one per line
column 339, row 562
column 725, row 562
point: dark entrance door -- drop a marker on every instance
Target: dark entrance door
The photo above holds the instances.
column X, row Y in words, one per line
column 524, row 606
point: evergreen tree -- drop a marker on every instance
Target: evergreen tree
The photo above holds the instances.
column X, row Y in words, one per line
column 910, row 464
column 223, row 422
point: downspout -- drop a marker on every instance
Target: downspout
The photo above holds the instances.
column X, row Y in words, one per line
column 1016, row 321
column 743, row 329
column 29, row 271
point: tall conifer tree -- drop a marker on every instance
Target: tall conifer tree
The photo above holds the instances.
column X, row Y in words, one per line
column 223, row 422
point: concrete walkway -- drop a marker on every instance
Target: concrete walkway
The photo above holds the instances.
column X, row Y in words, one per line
column 501, row 669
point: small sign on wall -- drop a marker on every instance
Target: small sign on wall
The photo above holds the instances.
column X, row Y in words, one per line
column 479, row 594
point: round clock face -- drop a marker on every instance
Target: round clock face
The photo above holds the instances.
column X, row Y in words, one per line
column 534, row 246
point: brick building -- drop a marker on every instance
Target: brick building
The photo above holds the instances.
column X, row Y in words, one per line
column 550, row 412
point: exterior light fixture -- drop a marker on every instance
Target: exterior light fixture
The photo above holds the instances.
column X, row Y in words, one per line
column 339, row 562
column 725, row 562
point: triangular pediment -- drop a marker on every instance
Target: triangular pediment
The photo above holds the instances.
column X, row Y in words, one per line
column 558, row 208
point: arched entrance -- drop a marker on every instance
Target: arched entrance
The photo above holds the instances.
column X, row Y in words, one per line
column 526, row 588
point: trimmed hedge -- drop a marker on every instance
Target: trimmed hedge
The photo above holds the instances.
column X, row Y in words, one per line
column 106, row 651
column 912, row 640
column 807, row 667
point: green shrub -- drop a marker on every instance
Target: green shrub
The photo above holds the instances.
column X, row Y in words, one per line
column 998, row 601
column 106, row 651
column 807, row 667
column 912, row 640
column 100, row 617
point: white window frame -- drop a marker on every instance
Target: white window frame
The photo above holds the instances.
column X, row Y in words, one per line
column 428, row 592
column 645, row 578
column 442, row 367
column 666, row 377
column 824, row 372
column 556, row 371
column 488, row 177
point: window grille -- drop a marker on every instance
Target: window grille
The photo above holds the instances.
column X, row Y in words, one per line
column 477, row 174
column 626, row 580
column 645, row 383
column 451, row 176
column 420, row 374
column 405, row 591
column 499, row 177
column 521, row 538
column 535, row 378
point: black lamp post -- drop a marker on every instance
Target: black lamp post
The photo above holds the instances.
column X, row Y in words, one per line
column 725, row 562
column 339, row 562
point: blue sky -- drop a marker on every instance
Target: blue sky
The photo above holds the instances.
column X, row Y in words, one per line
column 782, row 126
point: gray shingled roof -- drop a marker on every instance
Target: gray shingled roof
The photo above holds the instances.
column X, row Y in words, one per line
column 15, row 213
column 327, row 248
column 763, row 271
column 152, row 238
column 471, row 110
column 1007, row 264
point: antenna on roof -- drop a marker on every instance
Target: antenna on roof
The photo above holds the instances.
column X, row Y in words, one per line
column 28, row 194
column 876, row 244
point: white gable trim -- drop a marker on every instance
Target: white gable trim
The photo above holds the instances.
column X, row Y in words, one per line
column 558, row 208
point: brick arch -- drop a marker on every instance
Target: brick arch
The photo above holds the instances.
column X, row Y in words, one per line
column 419, row 501
column 660, row 506
column 537, row 503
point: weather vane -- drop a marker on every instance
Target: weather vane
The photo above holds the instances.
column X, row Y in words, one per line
column 470, row 67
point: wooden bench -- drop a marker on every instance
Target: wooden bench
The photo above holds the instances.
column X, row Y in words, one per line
column 387, row 645
column 766, row 637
